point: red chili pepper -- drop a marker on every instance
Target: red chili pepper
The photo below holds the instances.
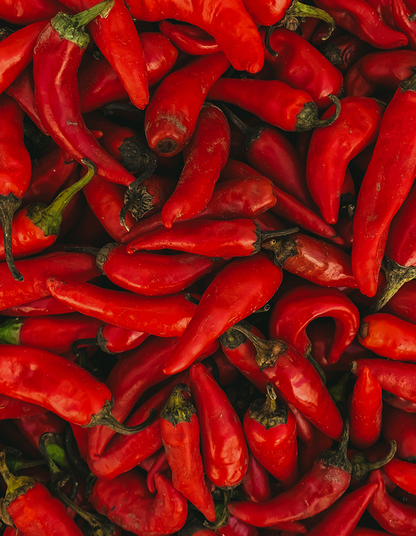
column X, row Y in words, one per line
column 402, row 473
column 345, row 514
column 298, row 381
column 360, row 19
column 189, row 39
column 402, row 303
column 399, row 402
column 33, row 427
column 270, row 430
column 242, row 287
column 400, row 15
column 228, row 23
column 128, row 503
column 365, row 408
column 313, row 259
column 271, row 101
column 309, row 452
column 205, row 156
column 224, row 449
column 40, row 307
column 32, row 12
column 300, row 65
column 152, row 274
column 77, row 266
column 379, row 69
column 165, row 316
column 180, row 430
column 390, row 514
column 115, row 340
column 32, row 509
column 344, row 51
column 172, row 114
column 52, row 333
column 400, row 427
column 12, row 408
column 293, row 312
column 59, row 50
column 317, row 490
column 256, row 485
column 331, row 150
column 15, row 170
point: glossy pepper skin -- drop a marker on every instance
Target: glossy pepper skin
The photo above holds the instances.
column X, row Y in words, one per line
column 172, row 114
column 331, row 149
column 188, row 38
column 36, row 11
column 56, row 60
column 270, row 430
column 206, row 155
column 152, row 274
column 402, row 473
column 302, row 66
column 228, row 22
column 293, row 312
column 317, row 490
column 379, row 199
column 400, row 426
column 242, row 287
column 224, row 448
column 180, row 431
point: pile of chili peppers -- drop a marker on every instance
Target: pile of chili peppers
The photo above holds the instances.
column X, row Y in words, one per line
column 208, row 267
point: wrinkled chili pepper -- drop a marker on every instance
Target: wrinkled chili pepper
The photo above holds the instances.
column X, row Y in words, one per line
column 57, row 56
column 189, row 39
column 317, row 490
column 344, row 51
column 224, row 448
column 399, row 426
column 365, row 410
column 300, row 65
column 240, row 288
column 15, row 170
column 201, row 170
column 272, row 101
column 180, row 431
column 298, row 381
column 270, row 430
column 331, row 149
column 293, row 312
column 313, row 259
column 241, row 43
column 152, row 274
column 172, row 114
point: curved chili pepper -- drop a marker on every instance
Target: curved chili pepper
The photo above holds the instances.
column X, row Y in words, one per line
column 360, row 19
column 99, row 84
column 379, row 69
column 59, row 50
column 317, row 490
column 189, row 39
column 402, row 473
column 228, row 23
column 32, row 509
column 388, row 336
column 399, row 402
column 43, row 306
column 400, row 427
column 152, row 274
column 15, row 171
column 128, row 503
column 77, row 266
column 393, row 376
column 53, row 333
column 224, row 448
column 242, row 287
column 256, row 484
column 302, row 66
column 400, row 15
column 331, row 150
column 180, row 431
column 284, row 11
column 172, row 114
column 390, row 514
column 313, row 259
column 344, row 51
column 298, row 381
column 293, row 312
column 115, row 340
column 165, row 316
column 201, row 170
column 12, row 408
column 240, row 237
column 32, row 12
column 270, row 430
column 365, row 408
column 271, row 101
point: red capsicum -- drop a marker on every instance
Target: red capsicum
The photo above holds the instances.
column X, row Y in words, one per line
column 256, row 485
column 32, row 12
column 402, row 473
column 189, row 39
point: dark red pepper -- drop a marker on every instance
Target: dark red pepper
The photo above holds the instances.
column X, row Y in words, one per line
column 256, row 485
column 344, row 51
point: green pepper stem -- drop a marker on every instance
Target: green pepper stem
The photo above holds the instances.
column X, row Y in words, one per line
column 361, row 466
column 297, row 9
column 8, row 206
column 108, row 419
column 10, row 331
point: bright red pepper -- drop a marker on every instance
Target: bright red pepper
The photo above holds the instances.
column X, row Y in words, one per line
column 190, row 39
column 256, row 485
column 224, row 448
column 270, row 430
column 29, row 13
column 180, row 431
column 400, row 15
column 115, row 340
column 242, row 287
column 402, row 473
column 12, row 408
column 271, row 12
column 331, row 149
column 293, row 312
